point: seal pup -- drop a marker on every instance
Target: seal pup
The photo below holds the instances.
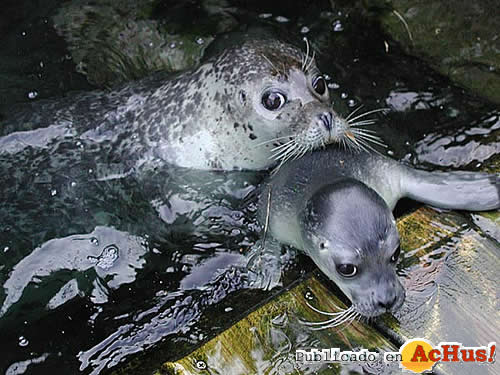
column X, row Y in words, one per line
column 252, row 104
column 336, row 206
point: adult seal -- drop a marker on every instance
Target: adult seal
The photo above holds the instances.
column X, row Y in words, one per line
column 251, row 105
column 336, row 207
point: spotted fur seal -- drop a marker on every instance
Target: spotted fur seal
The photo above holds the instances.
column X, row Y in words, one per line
column 336, row 206
column 251, row 105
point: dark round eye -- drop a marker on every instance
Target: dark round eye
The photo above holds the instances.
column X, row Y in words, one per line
column 319, row 85
column 273, row 100
column 347, row 270
column 395, row 256
column 322, row 246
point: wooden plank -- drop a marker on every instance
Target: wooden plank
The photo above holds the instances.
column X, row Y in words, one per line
column 267, row 338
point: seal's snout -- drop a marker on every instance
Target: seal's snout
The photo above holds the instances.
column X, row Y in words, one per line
column 326, row 119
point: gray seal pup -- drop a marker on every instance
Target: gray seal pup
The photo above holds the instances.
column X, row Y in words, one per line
column 336, row 206
column 246, row 108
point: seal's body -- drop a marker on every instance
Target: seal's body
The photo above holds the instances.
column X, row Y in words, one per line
column 335, row 206
column 229, row 113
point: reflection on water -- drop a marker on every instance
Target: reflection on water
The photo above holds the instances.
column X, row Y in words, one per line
column 113, row 257
column 98, row 263
column 459, row 147
column 131, row 288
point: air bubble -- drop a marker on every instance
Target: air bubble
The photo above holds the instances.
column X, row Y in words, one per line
column 282, row 19
column 23, row 341
column 337, row 26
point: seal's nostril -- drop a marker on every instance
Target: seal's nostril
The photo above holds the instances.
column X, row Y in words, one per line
column 330, row 118
column 387, row 304
column 327, row 119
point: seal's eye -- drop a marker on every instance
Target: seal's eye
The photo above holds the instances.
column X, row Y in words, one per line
column 319, row 85
column 347, row 270
column 395, row 256
column 273, row 100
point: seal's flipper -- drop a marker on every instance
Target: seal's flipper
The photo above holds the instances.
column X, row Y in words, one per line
column 472, row 191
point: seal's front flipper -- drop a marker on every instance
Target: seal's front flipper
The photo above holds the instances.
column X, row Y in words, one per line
column 472, row 191
column 265, row 265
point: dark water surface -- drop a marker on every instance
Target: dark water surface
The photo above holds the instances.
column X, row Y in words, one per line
column 98, row 265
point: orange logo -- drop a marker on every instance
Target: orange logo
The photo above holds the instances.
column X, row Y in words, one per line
column 419, row 355
column 415, row 356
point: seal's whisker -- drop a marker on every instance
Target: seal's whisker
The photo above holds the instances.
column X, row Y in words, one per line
column 270, row 63
column 273, row 140
column 283, row 146
column 306, row 57
column 362, row 123
column 283, row 153
column 354, row 144
column 311, row 61
column 337, row 321
column 278, row 154
column 340, row 317
column 348, row 318
column 301, row 151
column 286, row 156
column 369, row 138
column 366, row 146
column 325, row 312
column 364, row 142
column 347, row 322
column 297, row 152
column 368, row 113
column 353, row 319
column 353, row 112
column 289, row 156
column 367, row 131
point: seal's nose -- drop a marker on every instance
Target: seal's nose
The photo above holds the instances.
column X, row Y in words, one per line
column 327, row 119
column 388, row 303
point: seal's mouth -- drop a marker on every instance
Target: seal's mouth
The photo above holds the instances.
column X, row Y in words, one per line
column 350, row 133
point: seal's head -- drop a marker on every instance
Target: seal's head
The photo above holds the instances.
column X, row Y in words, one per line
column 277, row 98
column 351, row 235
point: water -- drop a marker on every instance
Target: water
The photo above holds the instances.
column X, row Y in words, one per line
column 97, row 269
